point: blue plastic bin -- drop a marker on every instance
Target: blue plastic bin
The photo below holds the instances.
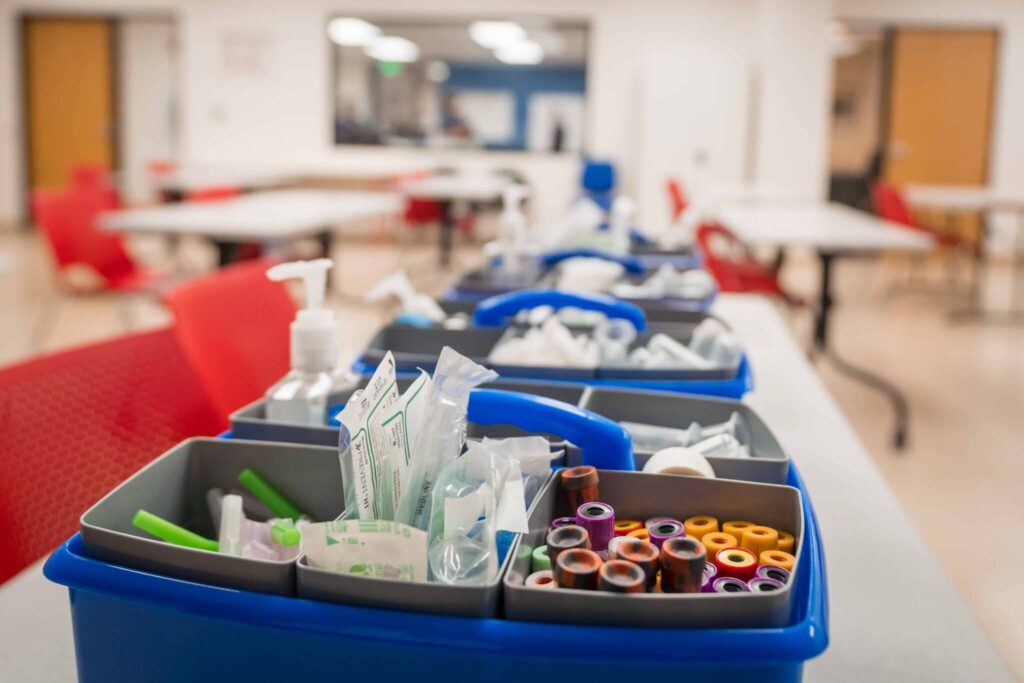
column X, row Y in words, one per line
column 478, row 285
column 496, row 310
column 134, row 626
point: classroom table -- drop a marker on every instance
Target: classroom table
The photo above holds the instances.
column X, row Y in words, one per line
column 958, row 200
column 448, row 189
column 903, row 623
column 833, row 231
column 176, row 183
column 265, row 217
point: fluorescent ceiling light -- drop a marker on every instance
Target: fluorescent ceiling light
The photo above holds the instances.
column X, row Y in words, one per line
column 520, row 52
column 494, row 34
column 351, row 31
column 393, row 49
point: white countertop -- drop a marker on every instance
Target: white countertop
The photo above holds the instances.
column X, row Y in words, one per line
column 283, row 214
column 894, row 614
column 823, row 226
column 467, row 187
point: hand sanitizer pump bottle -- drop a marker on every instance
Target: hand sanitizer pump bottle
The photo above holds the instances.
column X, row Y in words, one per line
column 623, row 209
column 301, row 397
column 518, row 266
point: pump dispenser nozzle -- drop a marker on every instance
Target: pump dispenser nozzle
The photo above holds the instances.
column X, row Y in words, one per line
column 513, row 230
column 413, row 303
column 623, row 209
column 314, row 333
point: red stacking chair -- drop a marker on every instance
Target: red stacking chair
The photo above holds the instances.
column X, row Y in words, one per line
column 69, row 221
column 890, row 205
column 677, row 198
column 75, row 424
column 94, row 180
column 233, row 325
column 735, row 270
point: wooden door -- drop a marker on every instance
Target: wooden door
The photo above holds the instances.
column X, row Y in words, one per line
column 69, row 87
column 940, row 112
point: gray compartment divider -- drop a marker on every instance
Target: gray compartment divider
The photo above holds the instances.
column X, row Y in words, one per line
column 174, row 487
column 769, row 463
column 642, row 496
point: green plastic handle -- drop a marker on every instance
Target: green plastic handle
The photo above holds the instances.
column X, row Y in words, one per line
column 269, row 496
column 172, row 533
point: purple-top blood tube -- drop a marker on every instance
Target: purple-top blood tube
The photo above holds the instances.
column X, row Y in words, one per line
column 710, row 574
column 648, row 523
column 664, row 530
column 562, row 521
column 599, row 521
column 770, row 571
column 764, row 585
column 727, row 584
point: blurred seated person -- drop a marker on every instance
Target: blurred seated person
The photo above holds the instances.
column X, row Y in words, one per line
column 452, row 122
column 349, row 131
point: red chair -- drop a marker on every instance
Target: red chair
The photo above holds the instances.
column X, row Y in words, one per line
column 233, row 325
column 215, row 193
column 735, row 269
column 677, row 198
column 73, row 425
column 891, row 205
column 94, row 180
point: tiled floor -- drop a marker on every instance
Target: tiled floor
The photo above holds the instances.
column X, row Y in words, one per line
column 959, row 479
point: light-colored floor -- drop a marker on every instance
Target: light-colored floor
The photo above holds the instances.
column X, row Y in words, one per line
column 959, row 478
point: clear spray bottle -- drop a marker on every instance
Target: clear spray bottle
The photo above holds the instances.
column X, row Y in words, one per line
column 302, row 396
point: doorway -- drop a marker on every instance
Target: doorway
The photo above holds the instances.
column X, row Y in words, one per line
column 911, row 105
column 70, row 104
column 101, row 91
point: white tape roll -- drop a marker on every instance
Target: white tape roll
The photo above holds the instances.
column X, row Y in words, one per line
column 680, row 460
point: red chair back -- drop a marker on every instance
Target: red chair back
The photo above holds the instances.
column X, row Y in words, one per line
column 726, row 258
column 69, row 221
column 73, row 425
column 677, row 198
column 890, row 204
column 234, row 328
column 419, row 212
column 94, row 180
column 213, row 194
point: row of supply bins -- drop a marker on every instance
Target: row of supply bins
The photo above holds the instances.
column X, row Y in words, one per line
column 518, row 474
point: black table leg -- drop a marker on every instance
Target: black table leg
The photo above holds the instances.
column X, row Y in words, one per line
column 821, row 344
column 447, row 228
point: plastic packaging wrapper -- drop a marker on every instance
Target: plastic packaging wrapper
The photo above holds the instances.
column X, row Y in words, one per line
column 441, row 433
column 378, row 549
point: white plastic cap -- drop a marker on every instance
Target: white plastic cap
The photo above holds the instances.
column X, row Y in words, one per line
column 231, row 520
column 315, row 339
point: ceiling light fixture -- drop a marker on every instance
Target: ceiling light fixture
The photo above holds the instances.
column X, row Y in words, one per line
column 393, row 49
column 494, row 34
column 351, row 31
column 520, row 52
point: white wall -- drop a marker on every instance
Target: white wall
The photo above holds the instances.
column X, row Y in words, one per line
column 148, row 90
column 255, row 78
column 793, row 78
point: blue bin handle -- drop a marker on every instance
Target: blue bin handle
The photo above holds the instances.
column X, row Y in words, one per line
column 632, row 264
column 606, row 445
column 493, row 311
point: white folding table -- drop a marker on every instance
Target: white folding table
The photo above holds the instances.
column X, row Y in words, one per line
column 448, row 189
column 894, row 614
column 274, row 216
column 832, row 231
column 959, row 200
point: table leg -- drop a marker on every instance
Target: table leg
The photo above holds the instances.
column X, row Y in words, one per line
column 822, row 345
column 447, row 228
column 976, row 312
column 227, row 252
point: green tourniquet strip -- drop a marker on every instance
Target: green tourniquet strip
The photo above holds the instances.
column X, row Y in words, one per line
column 269, row 496
column 285, row 534
column 172, row 533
